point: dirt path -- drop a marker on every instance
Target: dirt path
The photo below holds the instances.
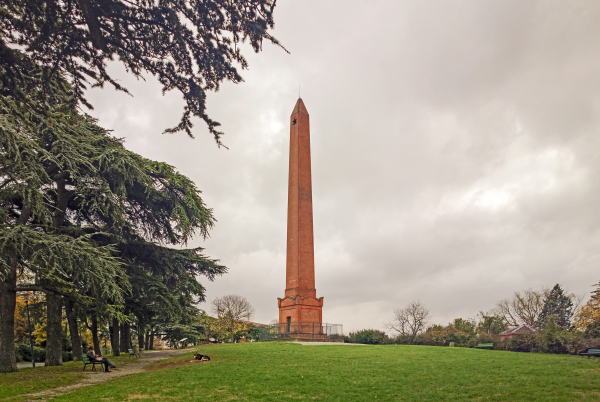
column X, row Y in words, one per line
column 98, row 377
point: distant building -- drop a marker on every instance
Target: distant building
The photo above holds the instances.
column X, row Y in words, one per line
column 511, row 333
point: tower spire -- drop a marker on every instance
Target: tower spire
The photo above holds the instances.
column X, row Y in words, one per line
column 300, row 303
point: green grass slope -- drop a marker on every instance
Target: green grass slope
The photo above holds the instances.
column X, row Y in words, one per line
column 281, row 371
column 29, row 380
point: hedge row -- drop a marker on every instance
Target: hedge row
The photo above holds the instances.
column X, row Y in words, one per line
column 23, row 352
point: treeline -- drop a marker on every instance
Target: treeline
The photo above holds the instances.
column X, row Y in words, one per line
column 558, row 324
column 194, row 328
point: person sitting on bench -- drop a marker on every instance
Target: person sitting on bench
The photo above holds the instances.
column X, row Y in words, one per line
column 90, row 354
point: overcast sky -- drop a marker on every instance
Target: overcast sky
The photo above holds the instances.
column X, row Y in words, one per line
column 454, row 154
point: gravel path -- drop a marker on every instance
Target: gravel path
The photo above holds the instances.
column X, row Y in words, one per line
column 98, row 377
column 28, row 364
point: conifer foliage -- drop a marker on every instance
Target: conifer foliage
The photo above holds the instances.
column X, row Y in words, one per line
column 191, row 46
column 81, row 217
column 557, row 303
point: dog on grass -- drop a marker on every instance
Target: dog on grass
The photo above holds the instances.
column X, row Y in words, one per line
column 202, row 358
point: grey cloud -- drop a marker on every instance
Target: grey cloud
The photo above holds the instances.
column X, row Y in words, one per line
column 453, row 145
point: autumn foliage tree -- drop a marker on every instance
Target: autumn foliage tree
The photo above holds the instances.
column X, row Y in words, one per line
column 233, row 313
column 589, row 312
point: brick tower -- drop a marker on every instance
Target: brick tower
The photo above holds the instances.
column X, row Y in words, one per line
column 300, row 307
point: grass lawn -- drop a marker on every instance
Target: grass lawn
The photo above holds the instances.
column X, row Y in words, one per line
column 279, row 371
column 40, row 378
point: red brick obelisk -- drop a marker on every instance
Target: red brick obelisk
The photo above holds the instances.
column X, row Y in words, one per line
column 300, row 303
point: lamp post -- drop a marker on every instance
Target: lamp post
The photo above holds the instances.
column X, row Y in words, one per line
column 30, row 338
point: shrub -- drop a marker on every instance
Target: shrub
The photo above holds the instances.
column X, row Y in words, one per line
column 593, row 330
column 525, row 342
column 488, row 338
column 401, row 340
column 24, row 350
column 442, row 336
column 67, row 356
column 553, row 339
column 336, row 337
column 18, row 355
column 578, row 344
column 369, row 337
column 66, row 342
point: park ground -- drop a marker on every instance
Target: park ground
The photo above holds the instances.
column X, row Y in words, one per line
column 283, row 371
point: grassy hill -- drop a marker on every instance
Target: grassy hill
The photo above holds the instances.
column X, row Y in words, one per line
column 281, row 371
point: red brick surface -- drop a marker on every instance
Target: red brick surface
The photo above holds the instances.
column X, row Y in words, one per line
column 300, row 301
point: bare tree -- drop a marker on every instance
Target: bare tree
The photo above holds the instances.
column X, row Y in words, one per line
column 410, row 321
column 232, row 311
column 525, row 306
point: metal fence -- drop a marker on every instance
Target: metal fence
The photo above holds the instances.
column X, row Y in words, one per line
column 302, row 330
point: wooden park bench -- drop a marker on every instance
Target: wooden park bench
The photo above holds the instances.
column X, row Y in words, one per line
column 591, row 353
column 132, row 353
column 485, row 346
column 86, row 360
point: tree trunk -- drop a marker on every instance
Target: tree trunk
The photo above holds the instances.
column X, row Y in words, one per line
column 73, row 330
column 54, row 330
column 129, row 343
column 123, row 340
column 147, row 340
column 95, row 339
column 140, row 340
column 115, row 338
column 8, row 302
column 151, row 343
column 54, row 301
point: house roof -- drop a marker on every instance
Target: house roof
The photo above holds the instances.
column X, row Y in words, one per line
column 522, row 329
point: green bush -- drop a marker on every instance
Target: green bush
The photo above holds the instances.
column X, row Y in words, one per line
column 437, row 335
column 369, row 337
column 525, row 343
column 578, row 343
column 553, row 338
column 24, row 350
column 487, row 338
column 18, row 355
column 67, row 356
column 593, row 330
column 401, row 340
